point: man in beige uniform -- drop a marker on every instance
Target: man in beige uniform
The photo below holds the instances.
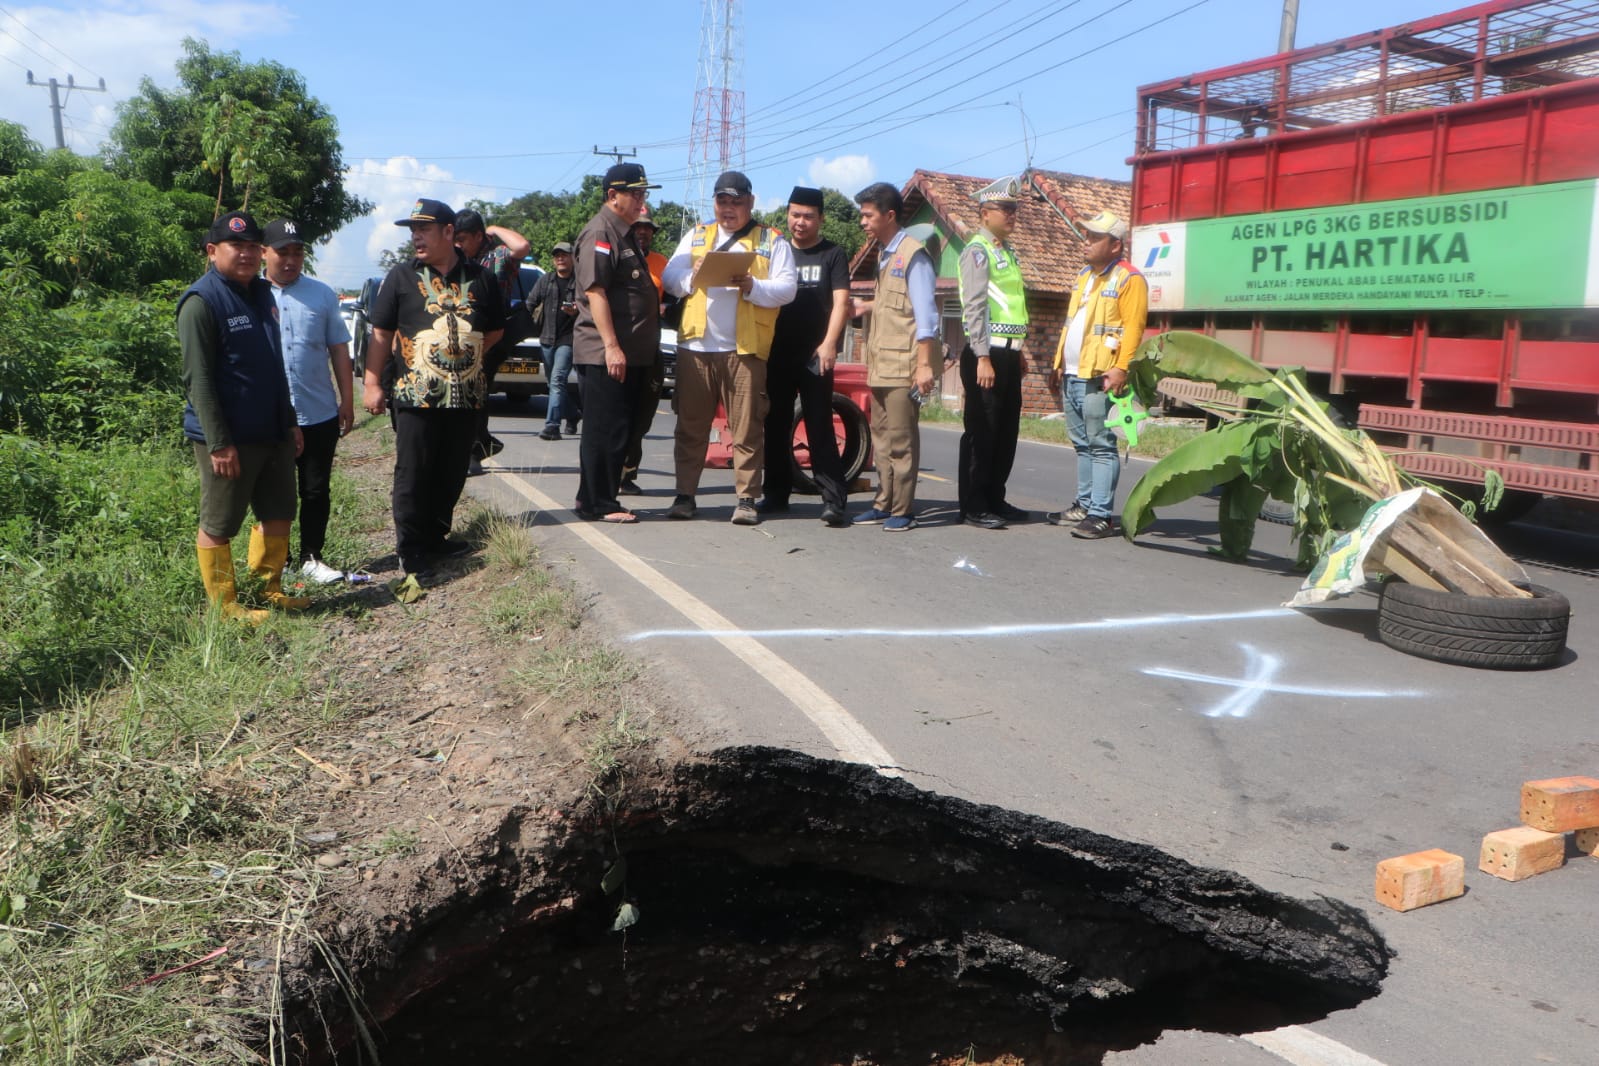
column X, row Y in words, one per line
column 900, row 352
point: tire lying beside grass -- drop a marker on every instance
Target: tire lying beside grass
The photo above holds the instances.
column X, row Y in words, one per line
column 1488, row 631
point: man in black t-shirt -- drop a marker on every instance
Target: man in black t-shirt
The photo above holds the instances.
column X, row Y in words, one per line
column 804, row 349
column 447, row 313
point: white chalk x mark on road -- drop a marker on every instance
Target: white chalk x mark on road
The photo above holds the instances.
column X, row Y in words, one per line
column 1260, row 671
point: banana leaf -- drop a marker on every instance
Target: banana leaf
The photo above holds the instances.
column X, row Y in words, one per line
column 1250, row 449
column 1196, row 357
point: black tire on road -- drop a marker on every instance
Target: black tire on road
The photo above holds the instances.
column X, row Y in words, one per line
column 1489, row 631
column 854, row 445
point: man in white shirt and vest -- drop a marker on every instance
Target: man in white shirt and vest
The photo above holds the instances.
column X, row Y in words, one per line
column 994, row 314
column 723, row 342
column 1104, row 325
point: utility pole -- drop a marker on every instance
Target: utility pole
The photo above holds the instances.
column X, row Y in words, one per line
column 56, row 102
column 1285, row 38
column 620, row 155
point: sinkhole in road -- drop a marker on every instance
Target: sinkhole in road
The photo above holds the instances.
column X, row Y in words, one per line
column 794, row 910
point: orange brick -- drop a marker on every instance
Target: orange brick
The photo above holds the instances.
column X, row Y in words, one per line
column 1561, row 803
column 1415, row 880
column 1588, row 842
column 1519, row 853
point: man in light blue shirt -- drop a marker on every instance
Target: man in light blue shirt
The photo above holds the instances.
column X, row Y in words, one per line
column 316, row 355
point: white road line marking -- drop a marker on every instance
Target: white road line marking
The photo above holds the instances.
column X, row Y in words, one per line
column 1021, row 629
column 852, row 740
column 1304, row 1047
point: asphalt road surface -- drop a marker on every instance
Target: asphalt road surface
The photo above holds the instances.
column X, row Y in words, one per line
column 1149, row 692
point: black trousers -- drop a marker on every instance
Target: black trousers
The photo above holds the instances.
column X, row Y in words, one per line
column 492, row 361
column 787, row 377
column 649, row 398
column 608, row 407
column 993, row 418
column 430, row 453
column 315, row 469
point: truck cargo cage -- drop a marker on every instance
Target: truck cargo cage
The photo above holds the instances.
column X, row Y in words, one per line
column 1490, row 49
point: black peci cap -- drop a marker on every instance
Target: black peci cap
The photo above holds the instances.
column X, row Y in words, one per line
column 806, row 197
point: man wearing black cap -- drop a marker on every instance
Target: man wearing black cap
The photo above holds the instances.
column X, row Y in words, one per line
column 239, row 416
column 615, row 341
column 724, row 341
column 554, row 305
column 316, row 354
column 499, row 250
column 804, row 349
column 994, row 313
column 446, row 312
column 649, row 394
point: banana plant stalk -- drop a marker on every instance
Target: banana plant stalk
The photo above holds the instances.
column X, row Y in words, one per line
column 1282, row 443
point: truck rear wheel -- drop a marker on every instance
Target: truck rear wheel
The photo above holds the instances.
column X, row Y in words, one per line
column 1487, row 631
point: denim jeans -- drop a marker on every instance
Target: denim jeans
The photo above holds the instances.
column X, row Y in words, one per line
column 1098, row 465
column 564, row 401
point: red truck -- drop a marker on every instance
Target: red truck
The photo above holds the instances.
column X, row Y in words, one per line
column 1410, row 215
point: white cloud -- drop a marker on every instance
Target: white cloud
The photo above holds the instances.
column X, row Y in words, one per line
column 392, row 185
column 846, row 173
column 120, row 42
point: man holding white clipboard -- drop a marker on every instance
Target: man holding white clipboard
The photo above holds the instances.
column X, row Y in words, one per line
column 729, row 314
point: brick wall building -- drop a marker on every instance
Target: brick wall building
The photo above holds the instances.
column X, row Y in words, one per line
column 1045, row 239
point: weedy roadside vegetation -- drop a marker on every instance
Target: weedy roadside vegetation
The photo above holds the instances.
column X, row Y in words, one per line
column 153, row 879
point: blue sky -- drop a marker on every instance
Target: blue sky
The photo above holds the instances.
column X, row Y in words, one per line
column 518, row 101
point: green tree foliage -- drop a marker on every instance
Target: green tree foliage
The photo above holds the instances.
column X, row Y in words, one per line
column 85, row 230
column 227, row 131
column 18, row 151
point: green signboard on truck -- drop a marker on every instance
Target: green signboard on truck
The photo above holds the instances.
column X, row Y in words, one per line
column 1530, row 247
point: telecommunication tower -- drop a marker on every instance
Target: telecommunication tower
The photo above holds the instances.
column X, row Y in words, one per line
column 716, row 143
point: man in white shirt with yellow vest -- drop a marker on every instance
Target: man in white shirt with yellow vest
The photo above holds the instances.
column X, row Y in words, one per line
column 723, row 342
column 1104, row 325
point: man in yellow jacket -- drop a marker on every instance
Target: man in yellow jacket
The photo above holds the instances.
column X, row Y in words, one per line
column 1104, row 325
column 723, row 342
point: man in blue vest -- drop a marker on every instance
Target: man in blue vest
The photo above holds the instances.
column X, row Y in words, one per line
column 239, row 416
column 994, row 313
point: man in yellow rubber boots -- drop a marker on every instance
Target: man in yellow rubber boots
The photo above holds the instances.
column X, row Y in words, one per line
column 239, row 416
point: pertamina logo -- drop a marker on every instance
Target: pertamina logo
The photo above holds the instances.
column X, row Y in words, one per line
column 1160, row 251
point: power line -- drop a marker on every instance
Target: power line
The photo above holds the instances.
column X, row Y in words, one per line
column 903, row 52
column 809, row 149
column 1036, row 138
column 7, row 33
column 58, row 51
column 873, row 101
column 934, row 64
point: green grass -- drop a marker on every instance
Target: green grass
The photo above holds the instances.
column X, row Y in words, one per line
column 147, row 757
column 149, row 742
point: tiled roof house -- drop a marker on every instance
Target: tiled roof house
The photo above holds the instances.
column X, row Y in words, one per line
column 1051, row 253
